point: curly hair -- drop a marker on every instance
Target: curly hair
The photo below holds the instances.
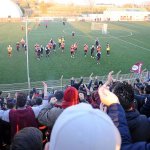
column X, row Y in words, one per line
column 125, row 94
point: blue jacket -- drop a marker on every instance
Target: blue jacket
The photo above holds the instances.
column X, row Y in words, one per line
column 145, row 109
column 139, row 126
column 117, row 115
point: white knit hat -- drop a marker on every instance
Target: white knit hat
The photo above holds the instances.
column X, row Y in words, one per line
column 81, row 127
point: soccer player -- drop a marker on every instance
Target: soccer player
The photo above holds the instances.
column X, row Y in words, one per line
column 25, row 47
column 38, row 52
column 22, row 42
column 51, row 41
column 50, row 45
column 99, row 48
column 96, row 42
column 62, row 39
column 73, row 33
column 108, row 49
column 22, row 27
column 85, row 49
column 98, row 56
column 54, row 46
column 42, row 49
column 47, row 51
column 92, row 51
column 59, row 42
column 17, row 46
column 9, row 48
column 35, row 48
column 62, row 46
column 72, row 51
column 75, row 46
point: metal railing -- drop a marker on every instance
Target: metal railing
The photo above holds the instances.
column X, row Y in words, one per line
column 62, row 83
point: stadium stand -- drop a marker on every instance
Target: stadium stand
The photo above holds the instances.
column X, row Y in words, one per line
column 124, row 100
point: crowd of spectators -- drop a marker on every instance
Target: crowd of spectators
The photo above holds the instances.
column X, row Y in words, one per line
column 109, row 116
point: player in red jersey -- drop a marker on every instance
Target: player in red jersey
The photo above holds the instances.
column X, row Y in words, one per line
column 17, row 46
column 85, row 49
column 62, row 46
column 75, row 46
column 99, row 48
column 72, row 51
column 22, row 42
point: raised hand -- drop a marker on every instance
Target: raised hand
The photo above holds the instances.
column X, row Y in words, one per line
column 107, row 98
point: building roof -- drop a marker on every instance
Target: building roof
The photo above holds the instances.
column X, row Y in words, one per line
column 127, row 9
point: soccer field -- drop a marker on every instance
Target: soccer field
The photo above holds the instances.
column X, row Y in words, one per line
column 129, row 42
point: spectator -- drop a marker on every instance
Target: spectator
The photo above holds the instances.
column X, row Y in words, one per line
column 1, row 100
column 49, row 114
column 59, row 95
column 11, row 103
column 76, row 84
column 38, row 101
column 27, row 139
column 81, row 127
column 22, row 116
column 117, row 114
column 139, row 125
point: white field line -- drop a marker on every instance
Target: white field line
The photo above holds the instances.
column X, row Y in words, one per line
column 146, row 49
column 101, row 37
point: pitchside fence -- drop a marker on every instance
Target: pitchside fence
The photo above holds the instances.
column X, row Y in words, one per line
column 63, row 83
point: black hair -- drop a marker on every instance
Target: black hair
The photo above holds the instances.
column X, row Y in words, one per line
column 21, row 99
column 147, row 89
column 38, row 101
column 125, row 94
column 11, row 103
column 137, row 80
column 29, row 138
column 59, row 95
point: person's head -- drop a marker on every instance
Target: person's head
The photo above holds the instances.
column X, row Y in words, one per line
column 70, row 97
column 29, row 138
column 21, row 99
column 59, row 95
column 147, row 89
column 137, row 80
column 125, row 94
column 11, row 103
column 81, row 127
column 38, row 101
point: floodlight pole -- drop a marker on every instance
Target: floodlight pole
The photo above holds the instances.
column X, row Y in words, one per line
column 28, row 76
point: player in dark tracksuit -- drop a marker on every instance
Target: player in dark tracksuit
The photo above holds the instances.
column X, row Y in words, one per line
column 54, row 46
column 96, row 42
column 17, row 46
column 42, row 49
column 98, row 56
column 92, row 51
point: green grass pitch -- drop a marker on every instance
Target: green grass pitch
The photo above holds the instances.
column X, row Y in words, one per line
column 129, row 42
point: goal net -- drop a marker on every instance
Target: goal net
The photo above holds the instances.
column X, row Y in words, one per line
column 104, row 28
column 99, row 26
column 96, row 26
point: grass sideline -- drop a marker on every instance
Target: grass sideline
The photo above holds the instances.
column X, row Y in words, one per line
column 129, row 43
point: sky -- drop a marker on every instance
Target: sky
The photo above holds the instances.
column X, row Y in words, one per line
column 118, row 2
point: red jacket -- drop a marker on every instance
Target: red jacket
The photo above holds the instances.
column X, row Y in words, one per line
column 20, row 119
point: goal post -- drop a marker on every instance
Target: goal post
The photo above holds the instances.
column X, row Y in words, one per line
column 103, row 27
column 96, row 26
